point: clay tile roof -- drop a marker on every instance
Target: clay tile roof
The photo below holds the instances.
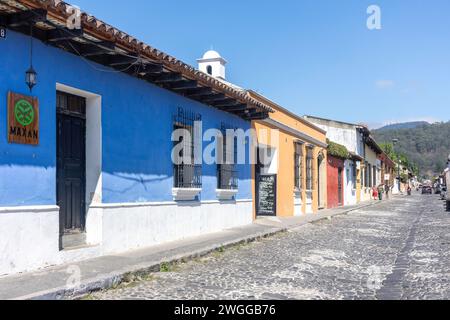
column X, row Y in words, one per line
column 59, row 11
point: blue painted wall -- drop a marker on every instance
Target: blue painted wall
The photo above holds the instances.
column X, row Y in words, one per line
column 136, row 128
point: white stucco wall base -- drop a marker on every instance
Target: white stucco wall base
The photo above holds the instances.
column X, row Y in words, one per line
column 131, row 227
column 29, row 236
column 298, row 204
column 309, row 202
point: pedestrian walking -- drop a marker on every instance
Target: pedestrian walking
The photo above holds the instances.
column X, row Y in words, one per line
column 375, row 193
column 387, row 188
column 380, row 192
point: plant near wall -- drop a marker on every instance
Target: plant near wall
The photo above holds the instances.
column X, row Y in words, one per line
column 337, row 150
column 404, row 177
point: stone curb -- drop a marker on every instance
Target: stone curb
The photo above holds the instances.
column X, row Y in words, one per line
column 111, row 280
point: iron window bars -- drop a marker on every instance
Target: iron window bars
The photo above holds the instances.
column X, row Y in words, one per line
column 188, row 174
column 298, row 166
column 227, row 175
column 309, row 169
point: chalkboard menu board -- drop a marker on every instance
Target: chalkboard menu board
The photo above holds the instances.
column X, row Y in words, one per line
column 267, row 195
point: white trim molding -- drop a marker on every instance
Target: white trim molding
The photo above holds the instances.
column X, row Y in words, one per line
column 28, row 209
column 224, row 194
column 185, row 194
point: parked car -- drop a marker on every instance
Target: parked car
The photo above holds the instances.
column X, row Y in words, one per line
column 427, row 190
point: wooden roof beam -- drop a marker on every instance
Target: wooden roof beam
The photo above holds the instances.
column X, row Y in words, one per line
column 183, row 85
column 167, row 78
column 119, row 61
column 237, row 107
column 213, row 97
column 199, row 92
column 23, row 17
column 224, row 103
column 63, row 34
column 151, row 69
column 257, row 116
column 98, row 49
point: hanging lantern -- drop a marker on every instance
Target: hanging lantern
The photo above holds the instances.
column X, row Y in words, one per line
column 31, row 78
column 31, row 74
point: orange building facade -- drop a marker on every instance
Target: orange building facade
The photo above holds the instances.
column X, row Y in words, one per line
column 290, row 177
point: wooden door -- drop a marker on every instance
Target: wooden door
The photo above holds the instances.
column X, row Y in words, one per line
column 71, row 162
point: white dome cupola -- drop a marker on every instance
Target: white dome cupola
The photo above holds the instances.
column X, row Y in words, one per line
column 213, row 64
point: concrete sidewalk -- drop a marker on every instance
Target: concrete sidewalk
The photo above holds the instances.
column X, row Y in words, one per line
column 60, row 282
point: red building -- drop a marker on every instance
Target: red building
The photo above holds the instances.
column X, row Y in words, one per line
column 335, row 172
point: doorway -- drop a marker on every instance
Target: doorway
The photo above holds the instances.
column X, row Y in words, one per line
column 71, row 163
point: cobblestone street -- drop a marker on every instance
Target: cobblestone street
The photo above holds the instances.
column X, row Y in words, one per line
column 398, row 249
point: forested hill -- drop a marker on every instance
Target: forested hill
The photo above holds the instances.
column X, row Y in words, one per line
column 405, row 125
column 428, row 146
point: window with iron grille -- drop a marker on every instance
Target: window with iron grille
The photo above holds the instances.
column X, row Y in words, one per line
column 298, row 166
column 227, row 174
column 309, row 169
column 188, row 174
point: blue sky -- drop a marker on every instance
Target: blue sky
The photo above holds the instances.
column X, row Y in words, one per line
column 311, row 56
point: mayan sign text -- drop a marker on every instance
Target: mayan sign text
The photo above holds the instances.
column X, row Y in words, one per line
column 23, row 119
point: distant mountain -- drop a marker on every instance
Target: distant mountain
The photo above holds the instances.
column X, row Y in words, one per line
column 427, row 145
column 404, row 125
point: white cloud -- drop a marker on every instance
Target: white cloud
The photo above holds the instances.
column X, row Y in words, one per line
column 384, row 84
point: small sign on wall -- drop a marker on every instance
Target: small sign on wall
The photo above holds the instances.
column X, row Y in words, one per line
column 23, row 119
column 2, row 33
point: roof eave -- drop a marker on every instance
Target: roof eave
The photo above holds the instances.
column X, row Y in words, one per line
column 58, row 13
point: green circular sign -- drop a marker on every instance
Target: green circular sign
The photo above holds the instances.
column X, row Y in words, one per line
column 24, row 112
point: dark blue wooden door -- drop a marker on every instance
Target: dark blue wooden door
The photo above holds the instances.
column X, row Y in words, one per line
column 71, row 163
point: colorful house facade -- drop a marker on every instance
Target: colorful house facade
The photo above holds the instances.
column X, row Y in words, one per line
column 292, row 179
column 335, row 178
column 86, row 159
column 371, row 171
column 344, row 178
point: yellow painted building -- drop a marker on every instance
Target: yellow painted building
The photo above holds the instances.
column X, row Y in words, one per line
column 290, row 178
